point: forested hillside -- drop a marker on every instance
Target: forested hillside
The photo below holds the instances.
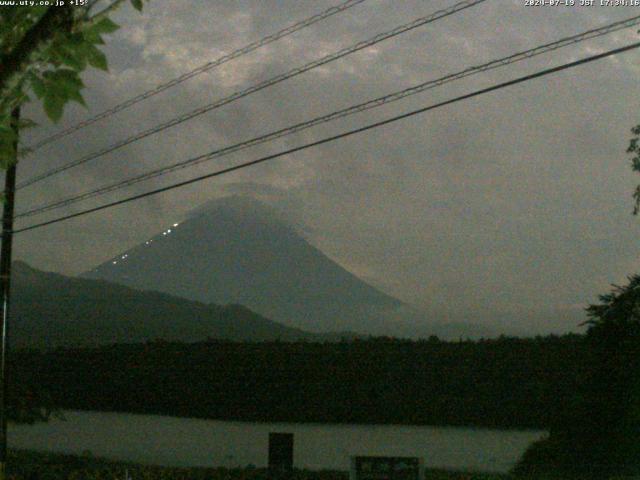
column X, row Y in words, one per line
column 52, row 310
column 505, row 383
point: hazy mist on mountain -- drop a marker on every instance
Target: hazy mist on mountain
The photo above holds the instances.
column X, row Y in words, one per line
column 239, row 250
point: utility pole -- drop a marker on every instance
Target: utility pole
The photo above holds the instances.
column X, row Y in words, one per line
column 5, row 286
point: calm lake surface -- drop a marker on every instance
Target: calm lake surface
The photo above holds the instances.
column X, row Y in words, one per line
column 190, row 442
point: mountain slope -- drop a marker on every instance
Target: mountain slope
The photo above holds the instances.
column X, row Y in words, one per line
column 51, row 310
column 237, row 250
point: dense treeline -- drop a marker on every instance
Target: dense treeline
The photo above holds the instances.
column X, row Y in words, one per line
column 504, row 383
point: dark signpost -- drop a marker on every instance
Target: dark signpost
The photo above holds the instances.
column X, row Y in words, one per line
column 280, row 453
column 386, row 468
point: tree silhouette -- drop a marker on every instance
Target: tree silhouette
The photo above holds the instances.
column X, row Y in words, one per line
column 614, row 339
column 597, row 432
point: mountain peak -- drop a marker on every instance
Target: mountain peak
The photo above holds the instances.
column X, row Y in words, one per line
column 238, row 250
column 236, row 201
column 239, row 206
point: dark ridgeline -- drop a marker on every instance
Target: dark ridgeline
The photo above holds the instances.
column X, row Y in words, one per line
column 502, row 383
column 52, row 310
column 237, row 250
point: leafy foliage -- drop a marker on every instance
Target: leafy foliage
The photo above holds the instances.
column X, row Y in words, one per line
column 43, row 51
column 634, row 149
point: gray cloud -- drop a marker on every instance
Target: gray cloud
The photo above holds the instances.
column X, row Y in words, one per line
column 513, row 206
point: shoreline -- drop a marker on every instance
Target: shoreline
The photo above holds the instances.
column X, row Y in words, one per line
column 306, row 423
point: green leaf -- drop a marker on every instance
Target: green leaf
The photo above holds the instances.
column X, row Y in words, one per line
column 38, row 86
column 7, row 133
column 92, row 37
column 6, row 159
column 96, row 58
column 26, row 123
column 54, row 106
column 63, row 78
column 70, row 56
column 61, row 86
column 137, row 4
column 106, row 25
column 76, row 96
column 7, row 146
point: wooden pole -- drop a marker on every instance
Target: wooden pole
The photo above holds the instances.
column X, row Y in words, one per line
column 5, row 288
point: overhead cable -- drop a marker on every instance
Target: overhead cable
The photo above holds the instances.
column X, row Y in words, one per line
column 333, row 138
column 370, row 104
column 255, row 88
column 197, row 71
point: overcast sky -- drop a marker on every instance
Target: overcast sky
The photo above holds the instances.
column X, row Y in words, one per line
column 517, row 203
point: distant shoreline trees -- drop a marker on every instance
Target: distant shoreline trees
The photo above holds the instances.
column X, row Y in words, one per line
column 509, row 383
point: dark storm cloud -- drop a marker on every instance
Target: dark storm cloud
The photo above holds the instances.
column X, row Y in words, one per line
column 513, row 206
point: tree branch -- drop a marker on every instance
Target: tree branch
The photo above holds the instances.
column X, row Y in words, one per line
column 16, row 61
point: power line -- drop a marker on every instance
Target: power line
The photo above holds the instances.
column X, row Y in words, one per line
column 370, row 104
column 337, row 137
column 197, row 71
column 255, row 88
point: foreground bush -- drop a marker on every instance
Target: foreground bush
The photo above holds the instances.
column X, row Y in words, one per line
column 545, row 459
column 596, row 434
column 25, row 465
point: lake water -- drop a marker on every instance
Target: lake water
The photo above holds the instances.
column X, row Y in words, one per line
column 191, row 442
